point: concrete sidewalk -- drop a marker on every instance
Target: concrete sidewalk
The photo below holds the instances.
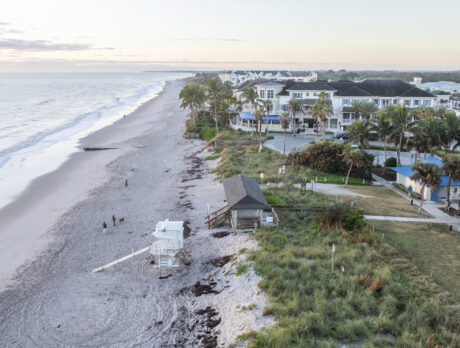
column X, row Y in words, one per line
column 432, row 208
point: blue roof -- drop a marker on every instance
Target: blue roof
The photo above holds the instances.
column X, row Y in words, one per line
column 407, row 171
column 249, row 116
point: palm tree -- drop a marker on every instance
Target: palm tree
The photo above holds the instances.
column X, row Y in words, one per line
column 381, row 124
column 284, row 120
column 295, row 108
column 368, row 109
column 451, row 167
column 434, row 132
column 423, row 112
column 326, row 111
column 193, row 97
column 250, row 96
column 258, row 113
column 419, row 143
column 354, row 158
column 267, row 106
column 427, row 174
column 356, row 107
column 401, row 121
column 360, row 131
column 452, row 130
column 214, row 91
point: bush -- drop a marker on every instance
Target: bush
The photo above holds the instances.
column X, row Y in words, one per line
column 391, row 162
column 353, row 220
column 329, row 157
column 275, row 200
column 207, row 133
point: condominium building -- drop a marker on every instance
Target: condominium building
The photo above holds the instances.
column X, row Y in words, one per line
column 341, row 95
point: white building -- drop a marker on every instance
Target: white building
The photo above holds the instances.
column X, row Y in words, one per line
column 342, row 94
column 238, row 77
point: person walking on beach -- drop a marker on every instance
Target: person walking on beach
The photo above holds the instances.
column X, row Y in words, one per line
column 104, row 228
column 113, row 220
column 126, row 182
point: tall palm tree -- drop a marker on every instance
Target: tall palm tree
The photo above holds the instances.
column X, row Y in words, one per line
column 451, row 167
column 381, row 124
column 193, row 97
column 360, row 131
column 258, row 114
column 427, row 174
column 214, row 92
column 419, row 143
column 250, row 96
column 267, row 105
column 323, row 99
column 401, row 120
column 356, row 107
column 284, row 120
column 295, row 109
column 434, row 132
column 452, row 130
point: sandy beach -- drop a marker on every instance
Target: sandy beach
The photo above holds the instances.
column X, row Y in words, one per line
column 51, row 238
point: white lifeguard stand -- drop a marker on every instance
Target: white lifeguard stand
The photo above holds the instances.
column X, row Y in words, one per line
column 169, row 241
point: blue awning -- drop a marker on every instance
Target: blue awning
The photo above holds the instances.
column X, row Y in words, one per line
column 249, row 116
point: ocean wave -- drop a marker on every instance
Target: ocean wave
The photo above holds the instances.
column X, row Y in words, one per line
column 118, row 107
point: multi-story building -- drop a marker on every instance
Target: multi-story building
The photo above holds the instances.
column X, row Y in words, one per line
column 238, row 77
column 341, row 95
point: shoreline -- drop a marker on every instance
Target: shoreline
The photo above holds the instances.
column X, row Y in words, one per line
column 57, row 301
column 35, row 211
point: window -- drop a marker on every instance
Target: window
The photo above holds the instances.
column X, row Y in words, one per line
column 296, row 95
column 262, row 93
column 270, row 94
column 345, row 101
column 407, row 102
column 284, row 107
column 427, row 102
column 346, row 116
column 307, row 94
column 416, row 102
column 376, row 101
column 395, row 101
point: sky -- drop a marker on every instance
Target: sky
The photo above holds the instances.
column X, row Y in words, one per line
column 138, row 35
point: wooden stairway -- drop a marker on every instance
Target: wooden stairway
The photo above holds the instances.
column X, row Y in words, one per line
column 219, row 217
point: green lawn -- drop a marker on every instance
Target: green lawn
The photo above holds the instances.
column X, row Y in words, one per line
column 383, row 202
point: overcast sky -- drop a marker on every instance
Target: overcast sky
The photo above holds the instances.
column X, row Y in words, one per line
column 135, row 35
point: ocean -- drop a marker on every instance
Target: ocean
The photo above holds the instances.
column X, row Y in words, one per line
column 43, row 117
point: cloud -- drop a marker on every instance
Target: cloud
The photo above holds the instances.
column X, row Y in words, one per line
column 40, row 45
column 195, row 40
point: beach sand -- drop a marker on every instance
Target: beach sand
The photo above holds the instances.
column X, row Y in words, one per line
column 52, row 238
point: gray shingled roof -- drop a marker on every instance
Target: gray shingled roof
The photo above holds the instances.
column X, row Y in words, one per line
column 242, row 192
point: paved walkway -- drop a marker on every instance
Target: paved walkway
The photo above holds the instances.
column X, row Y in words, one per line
column 430, row 207
column 300, row 140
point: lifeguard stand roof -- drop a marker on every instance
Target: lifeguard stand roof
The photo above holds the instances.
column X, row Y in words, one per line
column 244, row 193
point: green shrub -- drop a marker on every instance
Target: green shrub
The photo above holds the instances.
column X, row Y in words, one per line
column 391, row 162
column 353, row 220
column 207, row 133
column 329, row 157
column 211, row 158
column 242, row 269
column 275, row 200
